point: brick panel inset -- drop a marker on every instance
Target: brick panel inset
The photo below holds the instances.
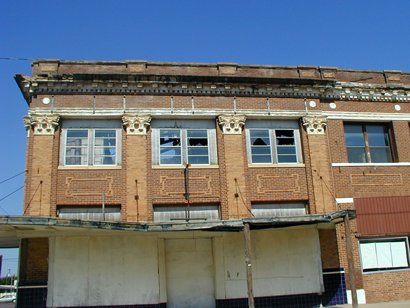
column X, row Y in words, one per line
column 376, row 179
column 273, row 183
column 88, row 187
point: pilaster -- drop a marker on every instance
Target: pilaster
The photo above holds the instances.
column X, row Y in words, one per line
column 320, row 163
column 39, row 186
column 234, row 152
column 136, row 166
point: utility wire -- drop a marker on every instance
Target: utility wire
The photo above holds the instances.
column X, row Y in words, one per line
column 9, row 196
column 12, row 177
column 15, row 59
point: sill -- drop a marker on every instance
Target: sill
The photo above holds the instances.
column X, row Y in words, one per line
column 89, row 167
column 386, row 271
column 183, row 167
column 370, row 164
column 299, row 165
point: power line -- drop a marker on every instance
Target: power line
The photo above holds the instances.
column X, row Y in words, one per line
column 9, row 196
column 15, row 59
column 12, row 177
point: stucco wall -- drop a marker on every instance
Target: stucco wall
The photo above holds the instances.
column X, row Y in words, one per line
column 133, row 269
column 284, row 262
column 92, row 271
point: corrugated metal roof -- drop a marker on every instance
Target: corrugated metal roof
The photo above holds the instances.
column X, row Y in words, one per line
column 383, row 215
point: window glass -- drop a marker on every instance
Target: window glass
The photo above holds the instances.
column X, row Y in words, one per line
column 286, row 146
column 367, row 143
column 260, row 146
column 85, row 147
column 105, row 147
column 76, row 150
column 197, row 141
column 282, row 148
column 170, row 147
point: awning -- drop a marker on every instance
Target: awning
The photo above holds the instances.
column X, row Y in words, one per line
column 13, row 228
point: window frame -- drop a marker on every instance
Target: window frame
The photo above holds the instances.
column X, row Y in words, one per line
column 384, row 240
column 91, row 157
column 388, row 131
column 211, row 147
column 274, row 146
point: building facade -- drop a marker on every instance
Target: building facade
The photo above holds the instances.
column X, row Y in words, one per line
column 200, row 185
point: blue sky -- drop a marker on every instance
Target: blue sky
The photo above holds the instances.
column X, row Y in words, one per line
column 366, row 34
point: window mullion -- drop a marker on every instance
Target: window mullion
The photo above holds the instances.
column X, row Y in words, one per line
column 366, row 144
column 184, row 146
column 91, row 138
column 274, row 147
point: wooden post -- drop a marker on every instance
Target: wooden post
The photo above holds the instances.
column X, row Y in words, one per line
column 350, row 262
column 248, row 260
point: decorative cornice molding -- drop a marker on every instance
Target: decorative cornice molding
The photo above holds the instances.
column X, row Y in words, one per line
column 42, row 124
column 339, row 91
column 136, row 124
column 315, row 125
column 232, row 124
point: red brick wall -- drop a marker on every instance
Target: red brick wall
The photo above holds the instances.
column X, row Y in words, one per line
column 387, row 286
column 33, row 261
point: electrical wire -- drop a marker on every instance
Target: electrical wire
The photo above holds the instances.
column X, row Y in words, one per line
column 12, row 177
column 15, row 59
column 13, row 192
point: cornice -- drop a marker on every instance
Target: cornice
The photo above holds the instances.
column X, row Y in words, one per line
column 337, row 91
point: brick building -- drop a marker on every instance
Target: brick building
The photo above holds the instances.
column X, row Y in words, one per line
column 200, row 185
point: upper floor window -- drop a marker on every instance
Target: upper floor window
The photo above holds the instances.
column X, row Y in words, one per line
column 89, row 146
column 368, row 143
column 270, row 142
column 192, row 142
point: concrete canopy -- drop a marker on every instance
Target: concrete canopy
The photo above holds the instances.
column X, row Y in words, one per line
column 13, row 228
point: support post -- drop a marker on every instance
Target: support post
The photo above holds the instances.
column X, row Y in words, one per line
column 248, row 258
column 350, row 262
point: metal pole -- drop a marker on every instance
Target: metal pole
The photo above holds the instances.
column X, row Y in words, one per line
column 350, row 262
column 248, row 260
column 186, row 178
column 103, row 206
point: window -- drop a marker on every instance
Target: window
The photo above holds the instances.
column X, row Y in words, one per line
column 110, row 213
column 279, row 144
column 384, row 254
column 85, row 147
column 269, row 210
column 178, row 213
column 368, row 143
column 90, row 143
column 192, row 142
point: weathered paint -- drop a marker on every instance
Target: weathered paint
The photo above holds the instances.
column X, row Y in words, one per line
column 189, row 270
column 383, row 215
column 284, row 262
column 181, row 269
column 95, row 271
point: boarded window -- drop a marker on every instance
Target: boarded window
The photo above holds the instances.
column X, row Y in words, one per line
column 384, row 254
column 111, row 213
column 278, row 209
column 180, row 213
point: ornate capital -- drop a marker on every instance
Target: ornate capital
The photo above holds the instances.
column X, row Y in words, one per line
column 232, row 124
column 315, row 125
column 136, row 124
column 43, row 124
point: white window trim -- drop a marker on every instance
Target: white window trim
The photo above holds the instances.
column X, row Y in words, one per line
column 386, row 240
column 184, row 148
column 370, row 164
column 273, row 147
column 91, row 143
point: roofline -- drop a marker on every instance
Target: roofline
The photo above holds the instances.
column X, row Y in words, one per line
column 208, row 64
